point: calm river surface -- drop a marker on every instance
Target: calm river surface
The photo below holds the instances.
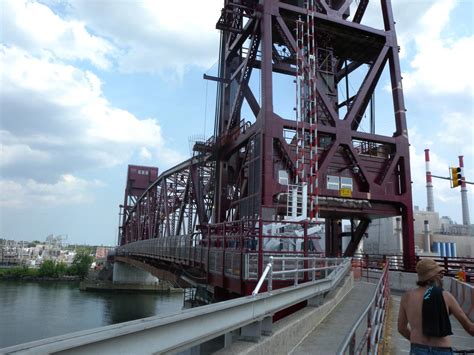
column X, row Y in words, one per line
column 31, row 311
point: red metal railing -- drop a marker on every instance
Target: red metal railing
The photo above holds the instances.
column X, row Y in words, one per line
column 368, row 337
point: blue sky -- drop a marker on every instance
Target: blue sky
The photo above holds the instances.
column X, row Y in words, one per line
column 88, row 87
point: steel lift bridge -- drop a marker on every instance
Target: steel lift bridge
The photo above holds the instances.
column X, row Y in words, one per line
column 279, row 184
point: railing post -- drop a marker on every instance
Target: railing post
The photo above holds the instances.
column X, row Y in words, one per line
column 305, row 250
column 313, row 272
column 326, row 264
column 352, row 344
column 367, row 265
column 260, row 248
column 270, row 277
column 241, row 247
column 223, row 249
column 369, row 329
column 296, row 272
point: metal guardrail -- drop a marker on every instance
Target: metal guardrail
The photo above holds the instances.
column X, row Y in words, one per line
column 375, row 315
column 179, row 332
column 451, row 265
column 294, row 263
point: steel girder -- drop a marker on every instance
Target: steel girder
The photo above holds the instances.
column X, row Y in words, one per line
column 174, row 204
column 252, row 32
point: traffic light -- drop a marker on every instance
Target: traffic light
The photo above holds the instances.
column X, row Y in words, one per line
column 456, row 176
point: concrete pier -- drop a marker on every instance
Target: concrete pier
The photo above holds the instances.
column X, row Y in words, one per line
column 127, row 274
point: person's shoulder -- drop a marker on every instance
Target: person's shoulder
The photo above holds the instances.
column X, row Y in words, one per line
column 407, row 294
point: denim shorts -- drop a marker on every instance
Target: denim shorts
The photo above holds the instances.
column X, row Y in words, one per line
column 418, row 349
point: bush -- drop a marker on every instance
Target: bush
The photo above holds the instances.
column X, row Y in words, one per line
column 47, row 269
column 18, row 272
column 61, row 269
column 81, row 264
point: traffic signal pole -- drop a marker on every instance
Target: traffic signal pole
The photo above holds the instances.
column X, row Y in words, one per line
column 464, row 203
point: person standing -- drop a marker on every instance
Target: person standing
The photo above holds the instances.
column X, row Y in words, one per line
column 424, row 312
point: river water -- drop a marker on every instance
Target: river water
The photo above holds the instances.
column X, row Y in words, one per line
column 31, row 311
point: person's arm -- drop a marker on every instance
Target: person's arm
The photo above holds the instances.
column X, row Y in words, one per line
column 456, row 310
column 403, row 320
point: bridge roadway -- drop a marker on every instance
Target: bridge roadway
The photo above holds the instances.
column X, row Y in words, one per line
column 331, row 333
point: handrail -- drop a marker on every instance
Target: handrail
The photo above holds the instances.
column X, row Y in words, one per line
column 178, row 332
column 374, row 322
column 264, row 275
column 270, row 269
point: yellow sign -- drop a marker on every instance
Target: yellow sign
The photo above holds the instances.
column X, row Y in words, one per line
column 345, row 192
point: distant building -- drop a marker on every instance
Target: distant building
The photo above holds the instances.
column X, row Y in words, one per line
column 384, row 236
column 102, row 252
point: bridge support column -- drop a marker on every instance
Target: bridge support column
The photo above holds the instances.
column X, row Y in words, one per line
column 316, row 301
column 253, row 331
column 227, row 339
column 195, row 350
column 127, row 274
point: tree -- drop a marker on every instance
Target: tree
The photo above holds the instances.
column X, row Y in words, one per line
column 61, row 269
column 81, row 264
column 47, row 269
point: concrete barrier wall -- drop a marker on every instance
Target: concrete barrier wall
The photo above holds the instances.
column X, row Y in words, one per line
column 464, row 294
column 402, row 281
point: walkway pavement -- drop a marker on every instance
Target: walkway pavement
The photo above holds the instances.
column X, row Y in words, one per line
column 398, row 345
column 330, row 334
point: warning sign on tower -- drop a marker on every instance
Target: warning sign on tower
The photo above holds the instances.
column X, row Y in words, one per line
column 345, row 192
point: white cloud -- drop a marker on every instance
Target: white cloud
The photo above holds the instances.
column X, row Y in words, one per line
column 442, row 63
column 67, row 190
column 145, row 154
column 454, row 124
column 36, row 28
column 155, row 36
column 56, row 120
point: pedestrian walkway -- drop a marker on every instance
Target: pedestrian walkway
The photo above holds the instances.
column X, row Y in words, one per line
column 396, row 344
column 330, row 334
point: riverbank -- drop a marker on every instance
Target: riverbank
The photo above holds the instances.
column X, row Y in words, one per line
column 28, row 278
column 108, row 286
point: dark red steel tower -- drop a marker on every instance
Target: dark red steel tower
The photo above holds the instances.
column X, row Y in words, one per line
column 259, row 185
column 361, row 175
column 139, row 178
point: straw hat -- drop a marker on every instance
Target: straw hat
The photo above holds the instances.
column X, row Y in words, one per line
column 427, row 268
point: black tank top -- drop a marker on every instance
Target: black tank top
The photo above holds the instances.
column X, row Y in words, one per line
column 434, row 315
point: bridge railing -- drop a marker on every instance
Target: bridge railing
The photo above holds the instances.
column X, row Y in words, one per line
column 179, row 332
column 451, row 265
column 365, row 335
column 299, row 268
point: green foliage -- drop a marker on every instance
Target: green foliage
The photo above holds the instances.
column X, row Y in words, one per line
column 81, row 264
column 47, row 269
column 61, row 269
column 50, row 268
column 18, row 272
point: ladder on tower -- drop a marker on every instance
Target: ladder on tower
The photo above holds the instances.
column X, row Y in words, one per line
column 306, row 118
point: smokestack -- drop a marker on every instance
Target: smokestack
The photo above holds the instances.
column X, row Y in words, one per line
column 427, row 237
column 429, row 183
column 464, row 204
